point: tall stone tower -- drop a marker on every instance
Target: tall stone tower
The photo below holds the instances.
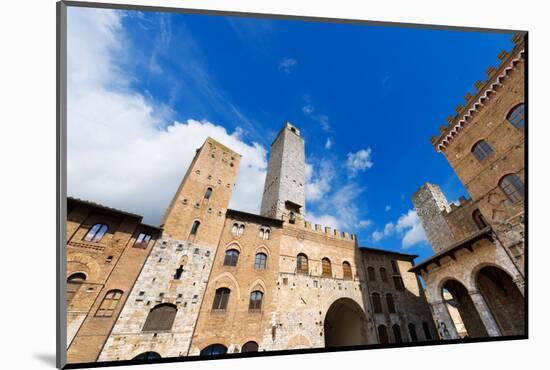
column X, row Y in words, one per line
column 284, row 193
column 203, row 195
column 430, row 203
column 175, row 275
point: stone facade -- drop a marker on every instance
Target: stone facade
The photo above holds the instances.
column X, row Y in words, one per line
column 195, row 290
column 95, row 268
column 479, row 242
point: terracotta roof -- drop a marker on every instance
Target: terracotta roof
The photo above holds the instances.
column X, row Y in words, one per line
column 103, row 207
column 453, row 248
column 259, row 218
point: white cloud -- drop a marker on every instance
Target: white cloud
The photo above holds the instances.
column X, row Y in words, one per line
column 287, row 64
column 409, row 224
column 324, row 220
column 387, row 208
column 328, row 144
column 308, row 109
column 121, row 150
column 318, row 183
column 359, row 161
column 363, row 224
column 408, row 227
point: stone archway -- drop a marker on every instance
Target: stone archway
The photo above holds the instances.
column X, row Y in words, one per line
column 503, row 298
column 345, row 324
column 457, row 299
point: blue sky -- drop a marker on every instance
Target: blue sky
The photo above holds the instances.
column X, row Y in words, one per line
column 145, row 89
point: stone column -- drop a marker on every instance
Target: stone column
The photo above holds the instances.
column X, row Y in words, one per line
column 443, row 321
column 485, row 314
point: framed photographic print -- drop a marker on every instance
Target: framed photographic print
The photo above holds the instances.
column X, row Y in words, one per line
column 236, row 185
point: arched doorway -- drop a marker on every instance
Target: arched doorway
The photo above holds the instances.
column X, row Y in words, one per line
column 147, row 356
column 503, row 298
column 214, row 349
column 462, row 310
column 345, row 324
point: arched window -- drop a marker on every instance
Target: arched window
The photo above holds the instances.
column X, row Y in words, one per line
column 482, row 150
column 517, row 116
column 146, row 356
column 250, row 347
column 327, row 268
column 178, row 273
column 264, row 233
column 377, row 303
column 512, row 186
column 221, row 299
column 398, row 283
column 237, row 229
column 302, row 264
column 109, row 303
column 161, row 317
column 427, row 332
column 195, row 227
column 479, row 219
column 231, row 257
column 383, row 274
column 346, row 267
column 260, row 261
column 389, row 303
column 74, row 282
column 96, row 233
column 371, row 273
column 255, row 303
column 412, row 332
column 383, row 334
column 291, row 218
column 397, row 334
column 208, row 193
column 214, row 349
column 394, row 267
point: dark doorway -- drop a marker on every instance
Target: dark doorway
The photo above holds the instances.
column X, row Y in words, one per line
column 345, row 324
column 503, row 298
column 214, row 349
column 147, row 356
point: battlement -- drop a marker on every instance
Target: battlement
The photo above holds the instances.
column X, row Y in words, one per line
column 462, row 202
column 322, row 230
column 473, row 103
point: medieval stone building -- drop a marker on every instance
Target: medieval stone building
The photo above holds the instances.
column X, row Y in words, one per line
column 475, row 280
column 214, row 280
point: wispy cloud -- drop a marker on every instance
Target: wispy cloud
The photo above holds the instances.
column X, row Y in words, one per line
column 102, row 108
column 359, row 161
column 287, row 64
column 328, row 143
column 310, row 111
column 408, row 228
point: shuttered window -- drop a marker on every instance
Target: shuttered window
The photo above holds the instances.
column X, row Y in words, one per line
column 302, row 264
column 383, row 274
column 371, row 273
column 397, row 334
column 377, row 303
column 390, row 304
column 260, row 261
column 327, row 268
column 517, row 116
column 512, row 186
column 231, row 257
column 346, row 267
column 221, row 299
column 482, row 150
column 383, row 334
column 109, row 303
column 161, row 317
column 255, row 303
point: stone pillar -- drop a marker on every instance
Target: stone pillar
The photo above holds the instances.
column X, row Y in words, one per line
column 520, row 283
column 443, row 321
column 485, row 314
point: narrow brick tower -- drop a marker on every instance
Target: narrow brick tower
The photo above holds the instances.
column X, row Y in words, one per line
column 284, row 189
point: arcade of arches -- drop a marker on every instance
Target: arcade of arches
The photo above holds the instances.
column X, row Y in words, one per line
column 499, row 299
